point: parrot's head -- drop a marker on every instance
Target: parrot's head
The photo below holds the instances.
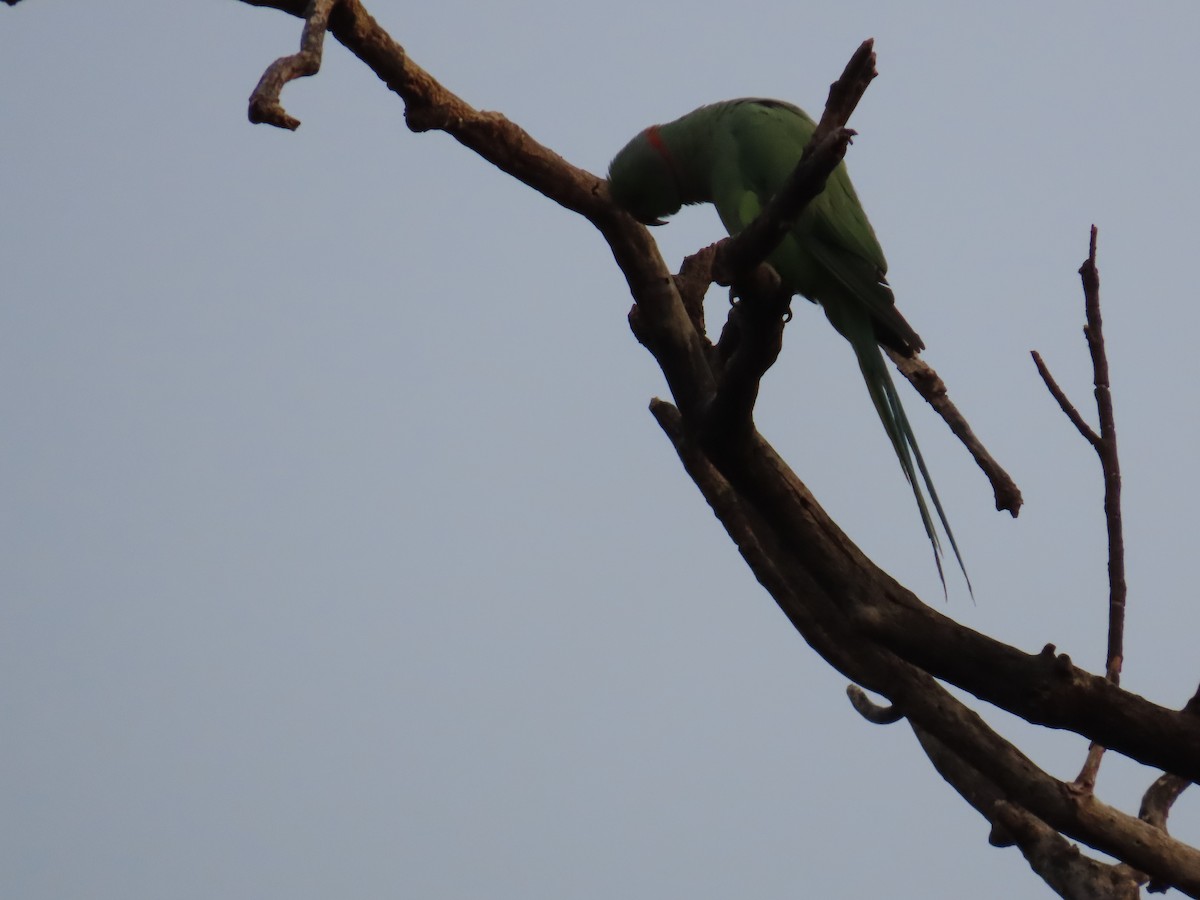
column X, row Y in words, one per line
column 642, row 179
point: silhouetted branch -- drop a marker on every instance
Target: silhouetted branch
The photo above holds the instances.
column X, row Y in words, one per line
column 849, row 88
column 922, row 376
column 1067, row 871
column 1162, row 794
column 869, row 710
column 1056, row 860
column 1160, row 797
column 800, row 571
column 1105, row 444
column 1064, row 402
column 1110, row 462
column 265, row 106
column 753, row 336
column 758, row 318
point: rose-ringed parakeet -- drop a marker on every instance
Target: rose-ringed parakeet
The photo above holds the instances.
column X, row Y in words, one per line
column 736, row 155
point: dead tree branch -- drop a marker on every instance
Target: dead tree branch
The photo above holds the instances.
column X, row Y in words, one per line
column 758, row 319
column 1105, row 444
column 826, row 611
column 1053, row 858
column 922, row 376
column 265, row 106
column 1057, row 861
column 1162, row 794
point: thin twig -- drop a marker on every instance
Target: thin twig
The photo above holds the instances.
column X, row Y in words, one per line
column 1063, row 402
column 1105, row 444
column 1111, row 463
column 265, row 106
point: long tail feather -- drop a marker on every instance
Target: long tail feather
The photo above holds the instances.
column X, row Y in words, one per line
column 904, row 442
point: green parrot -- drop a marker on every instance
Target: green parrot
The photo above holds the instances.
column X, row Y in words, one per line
column 736, row 155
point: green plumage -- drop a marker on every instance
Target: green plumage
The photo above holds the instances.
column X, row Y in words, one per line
column 736, row 155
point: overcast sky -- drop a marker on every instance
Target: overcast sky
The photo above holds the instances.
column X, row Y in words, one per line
column 339, row 554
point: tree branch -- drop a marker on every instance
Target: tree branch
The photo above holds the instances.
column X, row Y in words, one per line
column 756, row 321
column 1064, row 402
column 872, row 712
column 849, row 88
column 1056, row 861
column 1162, row 794
column 823, row 608
column 1105, row 444
column 265, row 107
column 755, row 324
column 922, row 376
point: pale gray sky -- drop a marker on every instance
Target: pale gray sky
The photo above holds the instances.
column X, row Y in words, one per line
column 340, row 556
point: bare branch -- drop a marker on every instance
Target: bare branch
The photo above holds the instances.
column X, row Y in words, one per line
column 1162, row 794
column 265, row 106
column 756, row 323
column 872, row 712
column 845, row 93
column 1058, row 862
column 922, row 376
column 1064, row 402
column 1160, row 797
column 1080, row 815
column 1062, row 866
column 829, row 614
column 1105, row 444
column 757, row 319
column 1110, row 462
column 665, row 326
